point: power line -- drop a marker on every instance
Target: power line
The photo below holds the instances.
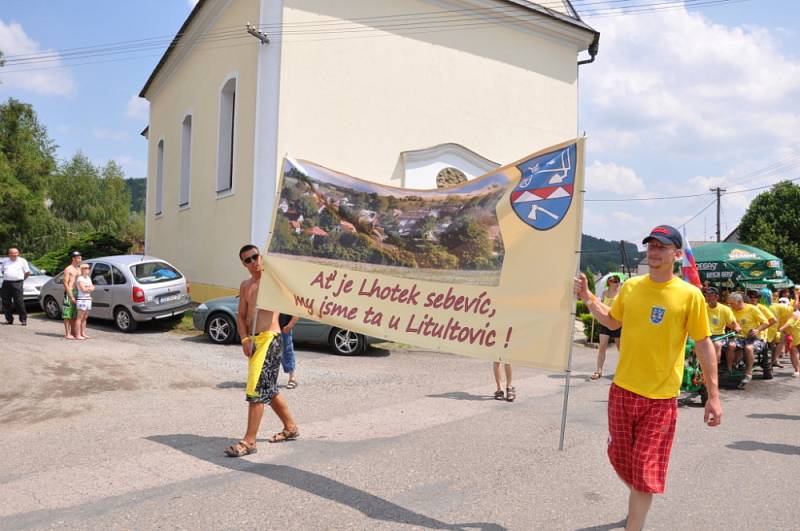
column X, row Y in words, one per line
column 440, row 20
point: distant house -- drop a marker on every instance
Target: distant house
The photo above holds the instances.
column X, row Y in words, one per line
column 733, row 237
column 296, row 225
column 316, row 232
column 226, row 105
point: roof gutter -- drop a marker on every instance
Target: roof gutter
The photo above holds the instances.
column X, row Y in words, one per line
column 593, row 49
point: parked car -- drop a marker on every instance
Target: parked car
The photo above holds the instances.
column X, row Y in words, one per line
column 32, row 285
column 129, row 289
column 217, row 318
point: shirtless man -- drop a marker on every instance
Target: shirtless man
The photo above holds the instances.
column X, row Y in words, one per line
column 263, row 350
column 70, row 313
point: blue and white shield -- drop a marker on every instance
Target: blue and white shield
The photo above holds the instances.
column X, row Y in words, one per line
column 657, row 314
column 544, row 193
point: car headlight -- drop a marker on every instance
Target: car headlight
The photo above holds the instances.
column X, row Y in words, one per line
column 202, row 307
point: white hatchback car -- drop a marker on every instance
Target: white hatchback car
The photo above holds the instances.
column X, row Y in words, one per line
column 129, row 289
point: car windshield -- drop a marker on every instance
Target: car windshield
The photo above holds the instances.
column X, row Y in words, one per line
column 154, row 272
column 35, row 271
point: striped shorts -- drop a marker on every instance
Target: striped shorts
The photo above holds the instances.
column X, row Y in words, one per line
column 640, row 435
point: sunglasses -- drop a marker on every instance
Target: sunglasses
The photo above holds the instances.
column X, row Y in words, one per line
column 251, row 258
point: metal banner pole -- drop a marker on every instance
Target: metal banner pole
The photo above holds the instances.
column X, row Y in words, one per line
column 568, row 372
column 571, row 328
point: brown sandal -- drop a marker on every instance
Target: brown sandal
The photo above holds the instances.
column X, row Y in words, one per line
column 511, row 394
column 285, row 435
column 596, row 375
column 240, row 449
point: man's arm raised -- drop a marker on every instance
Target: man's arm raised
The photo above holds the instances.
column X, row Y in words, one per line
column 600, row 311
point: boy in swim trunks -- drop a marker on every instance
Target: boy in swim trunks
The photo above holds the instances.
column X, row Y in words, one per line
column 263, row 350
column 69, row 312
column 658, row 312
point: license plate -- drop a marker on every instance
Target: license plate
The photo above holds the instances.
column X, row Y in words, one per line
column 169, row 298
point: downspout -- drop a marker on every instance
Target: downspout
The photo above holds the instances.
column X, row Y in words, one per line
column 593, row 48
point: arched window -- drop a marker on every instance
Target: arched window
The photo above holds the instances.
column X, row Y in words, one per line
column 186, row 162
column 227, row 117
column 160, row 178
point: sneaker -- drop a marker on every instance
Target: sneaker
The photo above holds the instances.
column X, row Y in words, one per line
column 747, row 379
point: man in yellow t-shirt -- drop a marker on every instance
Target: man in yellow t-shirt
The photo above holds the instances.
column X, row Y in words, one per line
column 658, row 312
column 720, row 317
column 752, row 322
column 782, row 313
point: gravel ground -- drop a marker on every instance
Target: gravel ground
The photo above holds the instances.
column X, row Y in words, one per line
column 127, row 432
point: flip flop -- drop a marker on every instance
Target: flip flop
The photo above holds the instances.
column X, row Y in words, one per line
column 596, row 375
column 240, row 449
column 292, row 384
column 285, row 435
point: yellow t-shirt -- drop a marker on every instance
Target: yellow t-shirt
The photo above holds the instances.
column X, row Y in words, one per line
column 782, row 313
column 608, row 300
column 656, row 318
column 794, row 330
column 766, row 335
column 718, row 318
column 748, row 318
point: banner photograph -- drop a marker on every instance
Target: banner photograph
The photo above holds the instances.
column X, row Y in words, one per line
column 482, row 269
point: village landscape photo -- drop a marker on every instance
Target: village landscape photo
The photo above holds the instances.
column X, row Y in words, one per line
column 449, row 235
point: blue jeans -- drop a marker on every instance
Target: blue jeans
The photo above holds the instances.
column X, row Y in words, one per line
column 288, row 353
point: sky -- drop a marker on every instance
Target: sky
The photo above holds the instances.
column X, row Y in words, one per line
column 677, row 102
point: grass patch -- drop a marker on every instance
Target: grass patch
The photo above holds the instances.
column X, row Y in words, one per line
column 186, row 325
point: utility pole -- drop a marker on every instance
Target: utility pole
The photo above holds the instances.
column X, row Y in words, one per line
column 719, row 191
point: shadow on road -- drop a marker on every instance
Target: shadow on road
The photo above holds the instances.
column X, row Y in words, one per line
column 605, row 527
column 754, row 446
column 776, row 416
column 210, row 449
column 461, row 395
column 231, row 385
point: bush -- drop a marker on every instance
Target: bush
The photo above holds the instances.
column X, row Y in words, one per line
column 580, row 308
column 91, row 245
column 587, row 319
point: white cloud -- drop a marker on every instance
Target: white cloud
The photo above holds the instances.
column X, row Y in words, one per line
column 42, row 77
column 138, row 108
column 685, row 84
column 609, row 177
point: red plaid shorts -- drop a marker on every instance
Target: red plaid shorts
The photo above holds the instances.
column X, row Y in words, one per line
column 640, row 434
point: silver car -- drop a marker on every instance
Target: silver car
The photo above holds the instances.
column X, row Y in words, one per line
column 32, row 285
column 129, row 289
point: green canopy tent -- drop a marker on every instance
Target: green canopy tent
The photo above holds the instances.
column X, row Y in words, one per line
column 733, row 265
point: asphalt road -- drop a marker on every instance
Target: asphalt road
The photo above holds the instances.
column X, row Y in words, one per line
column 127, row 432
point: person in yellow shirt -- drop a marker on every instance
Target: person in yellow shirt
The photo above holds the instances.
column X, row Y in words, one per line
column 720, row 317
column 609, row 294
column 656, row 312
column 752, row 324
column 792, row 329
column 782, row 313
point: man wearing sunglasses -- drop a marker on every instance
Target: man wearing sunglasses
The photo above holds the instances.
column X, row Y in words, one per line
column 262, row 345
column 658, row 311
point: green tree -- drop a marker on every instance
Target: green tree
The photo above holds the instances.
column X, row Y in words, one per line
column 25, row 145
column 772, row 223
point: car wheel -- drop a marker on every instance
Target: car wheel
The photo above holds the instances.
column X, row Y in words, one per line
column 346, row 343
column 51, row 308
column 221, row 328
column 124, row 320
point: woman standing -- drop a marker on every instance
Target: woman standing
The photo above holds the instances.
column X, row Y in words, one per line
column 84, row 301
column 609, row 294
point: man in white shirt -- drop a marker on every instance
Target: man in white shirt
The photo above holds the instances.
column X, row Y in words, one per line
column 15, row 270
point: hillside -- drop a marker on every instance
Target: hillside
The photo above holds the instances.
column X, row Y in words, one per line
column 604, row 256
column 137, row 188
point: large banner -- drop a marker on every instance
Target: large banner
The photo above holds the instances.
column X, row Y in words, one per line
column 483, row 268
